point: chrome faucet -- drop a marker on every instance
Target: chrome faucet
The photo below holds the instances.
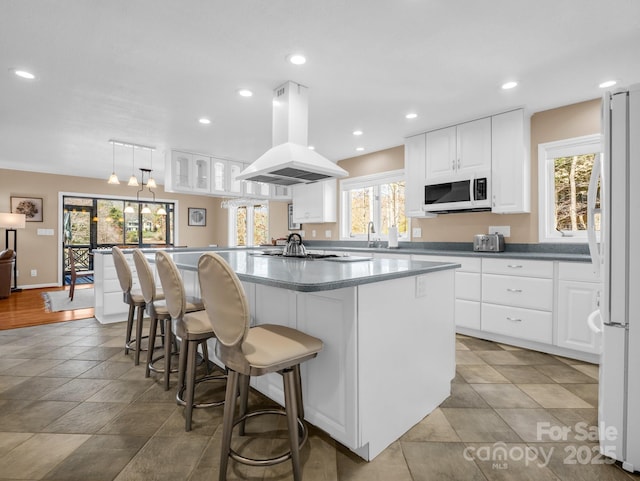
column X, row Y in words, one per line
column 370, row 230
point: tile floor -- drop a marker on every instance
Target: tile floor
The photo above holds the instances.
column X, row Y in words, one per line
column 74, row 407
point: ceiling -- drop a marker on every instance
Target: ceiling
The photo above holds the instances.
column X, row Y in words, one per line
column 145, row 71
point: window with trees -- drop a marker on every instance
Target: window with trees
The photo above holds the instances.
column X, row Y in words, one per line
column 564, row 172
column 249, row 225
column 378, row 198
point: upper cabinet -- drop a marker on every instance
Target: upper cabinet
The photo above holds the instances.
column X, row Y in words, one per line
column 458, row 149
column 200, row 174
column 315, row 202
column 189, row 173
column 510, row 168
column 496, row 147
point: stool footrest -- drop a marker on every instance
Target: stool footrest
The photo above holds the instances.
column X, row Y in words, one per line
column 161, row 370
column 180, row 394
column 304, row 434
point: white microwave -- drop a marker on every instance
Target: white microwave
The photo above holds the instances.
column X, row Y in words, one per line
column 466, row 195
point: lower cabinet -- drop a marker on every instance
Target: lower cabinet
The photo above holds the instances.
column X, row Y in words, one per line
column 576, row 300
column 528, row 324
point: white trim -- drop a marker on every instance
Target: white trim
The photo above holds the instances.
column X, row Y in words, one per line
column 586, row 144
column 232, row 239
column 366, row 181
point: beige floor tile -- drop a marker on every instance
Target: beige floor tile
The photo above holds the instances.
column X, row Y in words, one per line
column 66, row 352
column 7, row 382
column 28, row 460
column 504, row 396
column 480, row 344
column 499, row 358
column 468, row 357
column 460, row 346
column 177, row 455
column 76, row 390
column 86, row 418
column 565, row 374
column 33, row 388
column 535, row 358
column 587, row 392
column 479, row 425
column 433, row 428
column 34, row 367
column 108, row 370
column 509, row 347
column 522, row 462
column 69, row 368
column 531, row 424
column 592, row 370
column 142, row 419
column 438, row 461
column 553, row 396
column 388, row 465
column 120, row 391
column 8, row 441
column 7, row 365
column 523, row 375
column 481, row 374
column 464, row 396
column 588, row 418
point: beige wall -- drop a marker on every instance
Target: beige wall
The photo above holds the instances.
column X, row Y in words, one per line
column 41, row 252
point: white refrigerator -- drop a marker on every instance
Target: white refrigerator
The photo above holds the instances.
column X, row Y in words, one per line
column 617, row 257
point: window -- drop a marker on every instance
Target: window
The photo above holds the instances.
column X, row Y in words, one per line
column 249, row 225
column 564, row 171
column 377, row 198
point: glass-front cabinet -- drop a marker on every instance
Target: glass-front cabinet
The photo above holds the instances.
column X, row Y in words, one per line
column 190, row 172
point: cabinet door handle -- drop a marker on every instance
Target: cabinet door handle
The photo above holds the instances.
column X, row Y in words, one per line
column 514, row 290
column 458, row 164
column 453, row 164
column 515, row 266
column 515, row 319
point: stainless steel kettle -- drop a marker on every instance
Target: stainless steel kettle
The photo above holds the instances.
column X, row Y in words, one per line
column 294, row 247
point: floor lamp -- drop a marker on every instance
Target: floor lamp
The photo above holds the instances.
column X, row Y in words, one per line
column 12, row 222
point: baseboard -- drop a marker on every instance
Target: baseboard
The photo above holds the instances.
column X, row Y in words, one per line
column 38, row 286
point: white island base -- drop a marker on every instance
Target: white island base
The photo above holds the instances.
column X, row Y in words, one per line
column 388, row 357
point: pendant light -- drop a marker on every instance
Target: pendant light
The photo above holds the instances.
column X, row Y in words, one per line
column 133, row 181
column 145, row 209
column 129, row 209
column 151, row 183
column 113, row 178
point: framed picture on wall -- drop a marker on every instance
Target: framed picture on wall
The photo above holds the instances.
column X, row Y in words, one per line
column 292, row 225
column 197, row 216
column 31, row 207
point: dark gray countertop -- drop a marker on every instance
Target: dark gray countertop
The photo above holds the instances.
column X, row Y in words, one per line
column 311, row 275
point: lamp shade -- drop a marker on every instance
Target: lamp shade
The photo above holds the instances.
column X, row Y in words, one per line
column 12, row 221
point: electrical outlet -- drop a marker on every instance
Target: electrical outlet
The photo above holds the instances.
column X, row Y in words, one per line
column 422, row 284
column 34, row 272
column 505, row 230
column 327, row 234
column 416, row 232
column 313, row 233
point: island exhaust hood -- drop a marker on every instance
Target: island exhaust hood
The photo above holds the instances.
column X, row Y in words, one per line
column 290, row 161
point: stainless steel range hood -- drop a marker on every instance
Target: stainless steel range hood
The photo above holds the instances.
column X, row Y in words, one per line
column 290, row 161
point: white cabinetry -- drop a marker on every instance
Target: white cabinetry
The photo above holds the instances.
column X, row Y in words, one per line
column 517, row 298
column 510, row 170
column 109, row 303
column 414, row 173
column 189, row 172
column 468, row 288
column 458, row 149
column 576, row 300
column 315, row 202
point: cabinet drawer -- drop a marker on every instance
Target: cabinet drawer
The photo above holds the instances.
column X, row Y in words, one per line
column 518, row 267
column 577, row 271
column 469, row 264
column 529, row 292
column 468, row 286
column 516, row 322
column 467, row 314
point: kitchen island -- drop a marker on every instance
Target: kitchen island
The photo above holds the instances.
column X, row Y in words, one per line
column 388, row 332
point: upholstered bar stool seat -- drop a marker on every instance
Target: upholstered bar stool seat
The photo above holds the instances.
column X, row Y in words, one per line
column 193, row 328
column 250, row 352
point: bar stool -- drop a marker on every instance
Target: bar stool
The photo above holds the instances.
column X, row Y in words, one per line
column 192, row 328
column 158, row 312
column 133, row 298
column 250, row 352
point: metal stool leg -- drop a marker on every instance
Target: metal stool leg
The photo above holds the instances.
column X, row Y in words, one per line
column 139, row 334
column 182, row 367
column 127, row 339
column 296, row 372
column 192, row 348
column 167, row 340
column 153, row 327
column 291, row 403
column 227, row 422
column 244, row 400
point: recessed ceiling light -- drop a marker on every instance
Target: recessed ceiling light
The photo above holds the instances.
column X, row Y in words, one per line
column 204, row 121
column 311, row 147
column 24, row 74
column 296, row 59
column 359, row 149
column 411, row 116
column 509, row 85
column 357, row 132
column 245, row 93
column 607, row 84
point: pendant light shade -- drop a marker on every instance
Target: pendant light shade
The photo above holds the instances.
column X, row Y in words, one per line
column 161, row 211
column 129, row 209
column 113, row 178
column 145, row 210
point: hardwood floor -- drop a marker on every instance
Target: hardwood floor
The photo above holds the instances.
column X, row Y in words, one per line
column 26, row 308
